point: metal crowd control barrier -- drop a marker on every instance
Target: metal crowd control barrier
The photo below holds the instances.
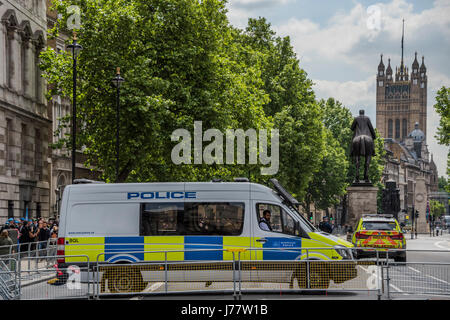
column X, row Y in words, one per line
column 417, row 277
column 240, row 273
column 55, row 282
column 9, row 279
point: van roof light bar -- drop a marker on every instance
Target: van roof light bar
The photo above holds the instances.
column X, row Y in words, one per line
column 378, row 215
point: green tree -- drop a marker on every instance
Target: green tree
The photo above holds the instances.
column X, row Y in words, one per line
column 330, row 181
column 437, row 208
column 291, row 104
column 442, row 184
column 442, row 107
column 180, row 65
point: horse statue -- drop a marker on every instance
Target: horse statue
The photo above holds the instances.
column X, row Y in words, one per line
column 362, row 144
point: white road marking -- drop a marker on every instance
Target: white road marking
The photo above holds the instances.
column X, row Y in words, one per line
column 395, row 288
column 414, row 269
column 443, row 281
column 154, row 287
column 439, row 245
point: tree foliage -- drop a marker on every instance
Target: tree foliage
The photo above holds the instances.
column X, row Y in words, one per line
column 183, row 62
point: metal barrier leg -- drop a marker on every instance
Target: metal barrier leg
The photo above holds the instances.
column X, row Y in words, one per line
column 388, row 280
column 234, row 277
column 165, row 272
column 308, row 283
column 240, row 277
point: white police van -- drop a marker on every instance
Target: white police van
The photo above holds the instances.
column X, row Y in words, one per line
column 191, row 222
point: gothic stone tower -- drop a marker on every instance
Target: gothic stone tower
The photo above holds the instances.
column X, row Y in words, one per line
column 401, row 102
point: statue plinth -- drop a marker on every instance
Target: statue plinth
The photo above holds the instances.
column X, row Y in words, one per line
column 362, row 199
column 362, row 183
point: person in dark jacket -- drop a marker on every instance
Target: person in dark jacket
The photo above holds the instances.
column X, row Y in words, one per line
column 325, row 226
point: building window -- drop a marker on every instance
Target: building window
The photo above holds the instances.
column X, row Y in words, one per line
column 10, row 209
column 38, row 210
column 8, row 154
column 397, row 128
column 38, row 153
column 380, row 83
column 24, row 142
column 390, row 128
column 422, row 84
column 404, row 128
column 415, row 81
column 26, row 209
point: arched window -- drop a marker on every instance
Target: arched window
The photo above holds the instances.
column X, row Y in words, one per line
column 39, row 45
column 26, row 34
column 397, row 128
column 10, row 21
column 390, row 128
column 404, row 128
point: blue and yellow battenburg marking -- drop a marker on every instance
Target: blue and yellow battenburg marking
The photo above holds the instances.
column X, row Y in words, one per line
column 179, row 248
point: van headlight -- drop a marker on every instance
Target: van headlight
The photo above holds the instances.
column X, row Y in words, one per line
column 344, row 252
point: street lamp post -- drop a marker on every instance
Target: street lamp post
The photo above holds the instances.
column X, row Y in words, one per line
column 75, row 48
column 117, row 81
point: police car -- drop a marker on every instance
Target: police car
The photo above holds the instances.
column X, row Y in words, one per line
column 379, row 234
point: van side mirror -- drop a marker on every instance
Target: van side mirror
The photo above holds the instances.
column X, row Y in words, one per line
column 297, row 228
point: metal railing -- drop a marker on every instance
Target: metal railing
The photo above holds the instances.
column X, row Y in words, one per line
column 239, row 274
column 9, row 281
column 238, row 271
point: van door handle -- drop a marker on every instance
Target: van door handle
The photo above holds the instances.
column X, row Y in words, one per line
column 263, row 240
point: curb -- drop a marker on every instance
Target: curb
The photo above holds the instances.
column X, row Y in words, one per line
column 31, row 282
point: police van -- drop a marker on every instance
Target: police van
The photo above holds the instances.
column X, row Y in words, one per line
column 193, row 222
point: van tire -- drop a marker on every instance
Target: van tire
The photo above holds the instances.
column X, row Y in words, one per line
column 126, row 281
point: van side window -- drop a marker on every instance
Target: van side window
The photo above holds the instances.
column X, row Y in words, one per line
column 161, row 219
column 205, row 218
column 192, row 218
column 280, row 220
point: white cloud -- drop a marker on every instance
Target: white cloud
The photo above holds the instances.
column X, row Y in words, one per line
column 341, row 55
column 354, row 94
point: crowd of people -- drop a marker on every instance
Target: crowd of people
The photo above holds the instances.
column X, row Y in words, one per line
column 29, row 234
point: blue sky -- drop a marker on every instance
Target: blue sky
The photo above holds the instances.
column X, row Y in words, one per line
column 339, row 42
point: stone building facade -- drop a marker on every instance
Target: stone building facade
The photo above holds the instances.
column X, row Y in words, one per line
column 401, row 99
column 401, row 111
column 25, row 123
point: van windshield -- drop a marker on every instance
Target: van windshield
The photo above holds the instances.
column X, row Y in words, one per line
column 304, row 223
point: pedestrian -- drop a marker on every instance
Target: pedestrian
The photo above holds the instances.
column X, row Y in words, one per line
column 26, row 236
column 264, row 222
column 325, row 226
column 43, row 236
column 5, row 243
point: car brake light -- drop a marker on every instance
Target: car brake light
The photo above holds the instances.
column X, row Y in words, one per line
column 397, row 236
column 360, row 235
column 60, row 251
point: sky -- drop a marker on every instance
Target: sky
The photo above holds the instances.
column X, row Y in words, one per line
column 339, row 43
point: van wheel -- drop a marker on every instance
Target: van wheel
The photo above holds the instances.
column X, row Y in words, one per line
column 125, row 282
